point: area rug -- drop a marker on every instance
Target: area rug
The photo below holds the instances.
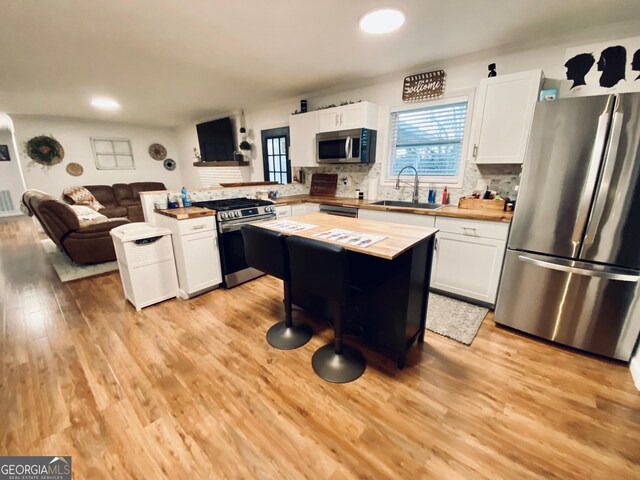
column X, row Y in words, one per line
column 454, row 319
column 67, row 270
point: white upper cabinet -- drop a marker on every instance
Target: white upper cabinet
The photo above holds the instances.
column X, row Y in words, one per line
column 302, row 136
column 502, row 117
column 347, row 117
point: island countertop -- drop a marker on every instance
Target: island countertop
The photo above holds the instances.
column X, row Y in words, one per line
column 186, row 213
column 446, row 211
column 400, row 238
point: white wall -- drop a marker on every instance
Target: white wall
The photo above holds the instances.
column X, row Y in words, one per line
column 74, row 136
column 463, row 73
column 10, row 175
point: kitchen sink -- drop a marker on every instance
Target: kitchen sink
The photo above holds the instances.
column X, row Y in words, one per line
column 397, row 203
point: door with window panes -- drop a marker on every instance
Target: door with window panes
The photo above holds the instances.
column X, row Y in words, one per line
column 275, row 155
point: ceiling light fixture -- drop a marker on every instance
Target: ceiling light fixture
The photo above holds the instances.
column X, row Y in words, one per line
column 105, row 103
column 383, row 20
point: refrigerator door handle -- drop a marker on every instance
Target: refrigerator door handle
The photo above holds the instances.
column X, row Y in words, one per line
column 605, row 181
column 592, row 176
column 622, row 277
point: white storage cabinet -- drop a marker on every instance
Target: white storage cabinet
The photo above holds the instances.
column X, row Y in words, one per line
column 503, row 116
column 146, row 262
column 302, row 136
column 283, row 211
column 468, row 257
column 195, row 243
column 347, row 117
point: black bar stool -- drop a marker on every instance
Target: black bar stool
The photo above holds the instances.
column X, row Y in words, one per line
column 266, row 250
column 323, row 269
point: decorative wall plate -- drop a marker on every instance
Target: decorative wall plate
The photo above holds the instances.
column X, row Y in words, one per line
column 170, row 164
column 75, row 169
column 157, row 151
column 44, row 150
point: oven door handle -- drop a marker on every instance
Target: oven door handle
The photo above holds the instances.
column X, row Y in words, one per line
column 235, row 226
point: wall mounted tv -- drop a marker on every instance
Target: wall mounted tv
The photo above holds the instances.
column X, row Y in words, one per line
column 216, row 139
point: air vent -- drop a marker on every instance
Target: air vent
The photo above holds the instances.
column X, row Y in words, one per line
column 6, row 203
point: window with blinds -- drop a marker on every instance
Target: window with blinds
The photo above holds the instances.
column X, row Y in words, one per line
column 429, row 139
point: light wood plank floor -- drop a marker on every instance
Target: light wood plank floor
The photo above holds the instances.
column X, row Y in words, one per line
column 190, row 389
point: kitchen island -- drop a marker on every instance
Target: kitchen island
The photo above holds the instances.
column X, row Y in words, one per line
column 392, row 275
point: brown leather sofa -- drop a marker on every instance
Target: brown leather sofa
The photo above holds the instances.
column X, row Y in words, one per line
column 85, row 242
column 121, row 199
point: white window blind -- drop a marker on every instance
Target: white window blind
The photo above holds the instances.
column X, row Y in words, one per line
column 429, row 139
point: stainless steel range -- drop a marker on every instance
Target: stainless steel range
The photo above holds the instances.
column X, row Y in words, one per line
column 231, row 214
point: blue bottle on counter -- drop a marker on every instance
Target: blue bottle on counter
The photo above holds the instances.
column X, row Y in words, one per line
column 185, row 198
column 431, row 197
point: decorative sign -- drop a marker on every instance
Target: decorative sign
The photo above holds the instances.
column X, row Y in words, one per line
column 424, row 86
column 600, row 68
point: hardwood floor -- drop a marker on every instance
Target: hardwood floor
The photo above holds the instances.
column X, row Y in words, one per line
column 190, row 389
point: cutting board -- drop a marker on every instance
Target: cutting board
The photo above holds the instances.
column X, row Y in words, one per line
column 324, row 184
column 480, row 204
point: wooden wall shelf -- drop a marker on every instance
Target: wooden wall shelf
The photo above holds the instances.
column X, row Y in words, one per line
column 230, row 163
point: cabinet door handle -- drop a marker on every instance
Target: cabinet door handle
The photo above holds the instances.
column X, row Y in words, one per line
column 337, row 120
column 475, row 150
column 198, row 227
column 341, row 120
column 435, row 245
column 470, row 228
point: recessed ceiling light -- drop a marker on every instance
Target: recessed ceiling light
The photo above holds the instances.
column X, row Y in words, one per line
column 383, row 20
column 105, row 103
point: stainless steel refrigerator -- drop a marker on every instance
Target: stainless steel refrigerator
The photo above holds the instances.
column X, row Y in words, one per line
column 572, row 266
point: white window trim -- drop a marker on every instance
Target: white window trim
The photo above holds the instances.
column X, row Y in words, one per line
column 110, row 139
column 452, row 182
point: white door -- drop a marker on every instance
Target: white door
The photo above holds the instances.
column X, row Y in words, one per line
column 298, row 209
column 503, row 117
column 311, row 207
column 467, row 266
column 202, row 260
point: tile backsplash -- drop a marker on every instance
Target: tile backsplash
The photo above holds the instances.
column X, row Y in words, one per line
column 500, row 178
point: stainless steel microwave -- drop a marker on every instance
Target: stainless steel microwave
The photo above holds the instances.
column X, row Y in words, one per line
column 347, row 146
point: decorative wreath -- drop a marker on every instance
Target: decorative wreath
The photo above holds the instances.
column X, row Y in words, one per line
column 157, row 151
column 44, row 150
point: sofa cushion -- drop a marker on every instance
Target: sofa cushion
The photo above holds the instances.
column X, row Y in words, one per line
column 138, row 187
column 104, row 194
column 114, row 211
column 122, row 192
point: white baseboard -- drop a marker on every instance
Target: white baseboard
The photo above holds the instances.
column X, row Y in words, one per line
column 634, row 366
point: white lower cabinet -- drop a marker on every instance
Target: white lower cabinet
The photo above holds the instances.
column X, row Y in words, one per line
column 468, row 264
column 283, row 211
column 195, row 245
column 304, row 208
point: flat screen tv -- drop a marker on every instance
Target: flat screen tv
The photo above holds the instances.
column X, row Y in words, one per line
column 216, row 139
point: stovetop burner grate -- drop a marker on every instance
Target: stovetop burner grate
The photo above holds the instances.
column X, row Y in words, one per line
column 233, row 203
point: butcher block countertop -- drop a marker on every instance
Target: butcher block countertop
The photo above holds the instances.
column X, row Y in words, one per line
column 186, row 213
column 399, row 238
column 446, row 211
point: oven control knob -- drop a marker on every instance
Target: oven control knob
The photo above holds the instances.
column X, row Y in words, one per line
column 236, row 214
column 269, row 209
column 223, row 215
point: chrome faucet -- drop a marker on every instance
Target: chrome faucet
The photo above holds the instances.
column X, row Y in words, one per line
column 415, row 182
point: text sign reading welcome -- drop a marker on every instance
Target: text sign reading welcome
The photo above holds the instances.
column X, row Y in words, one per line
column 424, row 86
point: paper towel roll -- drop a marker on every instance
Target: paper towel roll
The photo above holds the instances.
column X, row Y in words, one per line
column 372, row 189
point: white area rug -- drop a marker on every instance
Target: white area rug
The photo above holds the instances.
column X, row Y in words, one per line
column 454, row 319
column 67, row 270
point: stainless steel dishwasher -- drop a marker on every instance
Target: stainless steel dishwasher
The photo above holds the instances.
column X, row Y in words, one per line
column 339, row 210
